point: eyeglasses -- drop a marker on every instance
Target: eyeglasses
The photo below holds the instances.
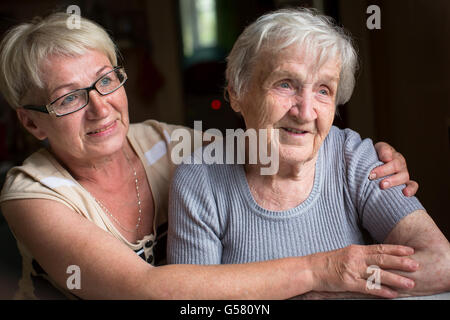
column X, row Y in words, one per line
column 76, row 100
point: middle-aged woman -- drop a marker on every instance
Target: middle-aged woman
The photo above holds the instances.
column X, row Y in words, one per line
column 101, row 187
column 287, row 71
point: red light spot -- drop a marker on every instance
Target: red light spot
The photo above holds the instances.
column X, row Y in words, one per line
column 215, row 104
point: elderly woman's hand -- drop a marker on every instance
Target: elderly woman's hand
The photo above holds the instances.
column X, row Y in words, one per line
column 395, row 165
column 346, row 269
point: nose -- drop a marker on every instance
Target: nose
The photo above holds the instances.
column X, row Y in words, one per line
column 304, row 109
column 98, row 107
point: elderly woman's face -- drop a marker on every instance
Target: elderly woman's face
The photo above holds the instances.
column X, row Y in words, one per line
column 95, row 131
column 290, row 92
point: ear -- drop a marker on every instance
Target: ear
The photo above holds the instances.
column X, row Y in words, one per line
column 30, row 124
column 234, row 102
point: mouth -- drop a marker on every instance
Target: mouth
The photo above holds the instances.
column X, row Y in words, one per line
column 294, row 131
column 103, row 128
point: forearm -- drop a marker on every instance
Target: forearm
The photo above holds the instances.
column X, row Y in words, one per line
column 129, row 277
column 432, row 253
column 57, row 238
column 275, row 279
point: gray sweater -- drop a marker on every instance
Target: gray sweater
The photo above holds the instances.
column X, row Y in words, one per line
column 214, row 219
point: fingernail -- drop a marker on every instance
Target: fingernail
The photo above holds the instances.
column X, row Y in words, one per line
column 372, row 176
column 385, row 184
column 410, row 284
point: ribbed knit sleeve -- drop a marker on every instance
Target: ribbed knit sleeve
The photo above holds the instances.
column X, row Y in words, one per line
column 193, row 235
column 379, row 210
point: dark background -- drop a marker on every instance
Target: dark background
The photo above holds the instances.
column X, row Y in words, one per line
column 402, row 94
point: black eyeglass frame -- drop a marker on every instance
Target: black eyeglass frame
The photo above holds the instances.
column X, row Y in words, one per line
column 49, row 110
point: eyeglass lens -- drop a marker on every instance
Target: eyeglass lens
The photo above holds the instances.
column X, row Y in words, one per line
column 76, row 100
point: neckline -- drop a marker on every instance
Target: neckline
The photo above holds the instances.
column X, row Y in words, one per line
column 302, row 208
column 106, row 220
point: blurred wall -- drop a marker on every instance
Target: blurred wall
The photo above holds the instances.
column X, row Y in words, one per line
column 403, row 90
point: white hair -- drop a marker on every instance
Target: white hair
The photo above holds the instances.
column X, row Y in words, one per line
column 26, row 46
column 280, row 29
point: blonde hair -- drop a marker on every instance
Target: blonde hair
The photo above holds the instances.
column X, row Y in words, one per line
column 279, row 29
column 25, row 47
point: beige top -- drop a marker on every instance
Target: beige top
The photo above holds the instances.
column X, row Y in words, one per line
column 41, row 176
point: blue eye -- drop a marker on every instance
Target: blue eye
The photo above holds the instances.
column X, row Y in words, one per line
column 69, row 99
column 105, row 81
column 285, row 85
column 323, row 91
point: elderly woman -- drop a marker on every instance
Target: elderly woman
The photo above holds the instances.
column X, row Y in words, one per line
column 96, row 199
column 288, row 71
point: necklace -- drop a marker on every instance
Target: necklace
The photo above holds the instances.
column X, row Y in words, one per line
column 136, row 181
